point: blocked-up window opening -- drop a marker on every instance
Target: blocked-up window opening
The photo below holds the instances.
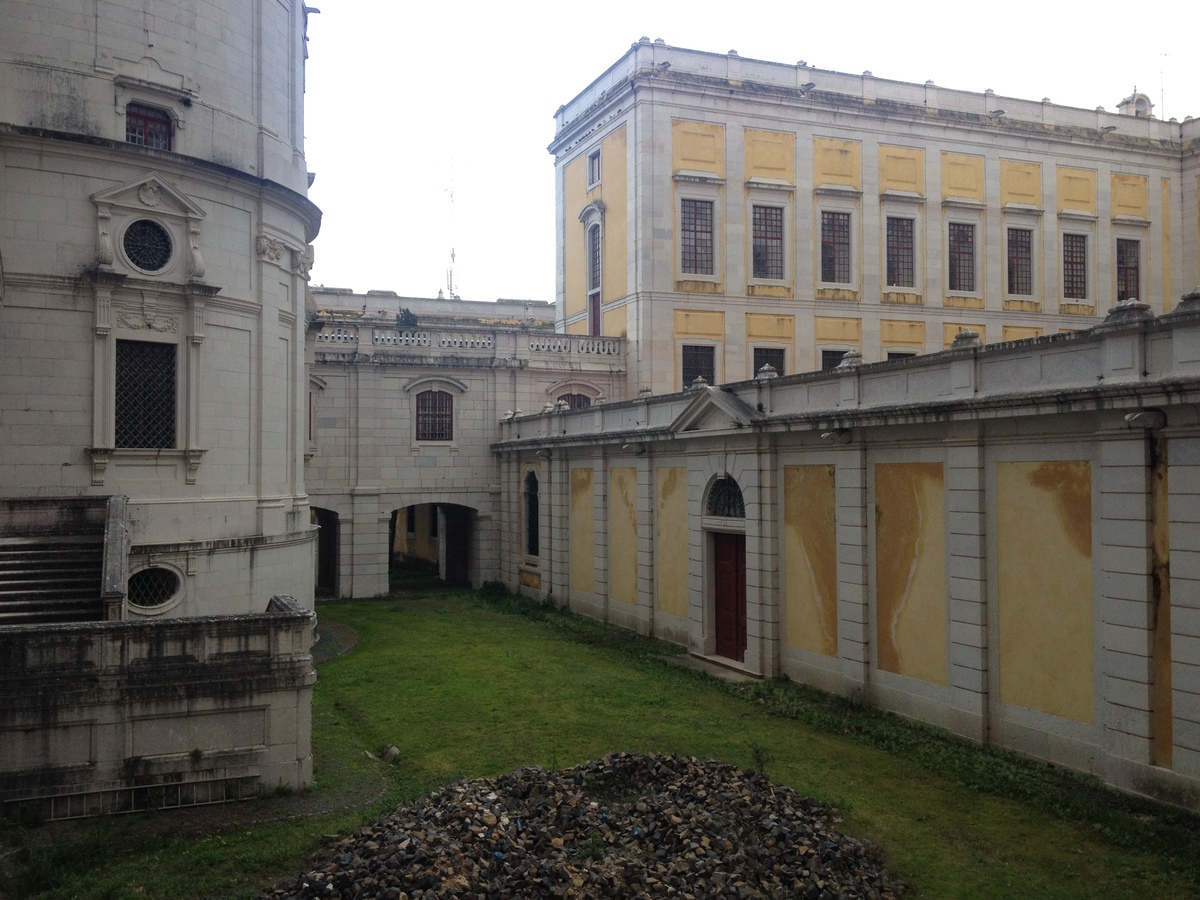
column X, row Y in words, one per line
column 144, row 402
column 435, row 416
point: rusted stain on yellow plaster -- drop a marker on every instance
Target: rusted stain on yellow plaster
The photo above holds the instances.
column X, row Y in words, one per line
column 1023, row 305
column 583, row 530
column 910, row 570
column 1076, row 309
column 671, row 542
column 842, row 295
column 779, row 291
column 958, row 302
column 810, row 558
column 622, row 534
column 903, row 298
column 1044, row 586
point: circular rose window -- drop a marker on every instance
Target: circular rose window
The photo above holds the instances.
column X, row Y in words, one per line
column 148, row 245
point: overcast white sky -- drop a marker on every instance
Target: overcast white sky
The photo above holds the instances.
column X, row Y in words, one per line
column 407, row 99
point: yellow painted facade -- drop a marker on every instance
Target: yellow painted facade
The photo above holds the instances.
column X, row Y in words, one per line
column 837, row 162
column 897, row 334
column 770, row 156
column 583, row 529
column 902, row 169
column 671, row 541
column 622, row 534
column 698, row 147
column 575, row 249
column 1130, row 196
column 810, row 559
column 774, row 330
column 1020, row 183
column 1077, row 190
column 962, row 176
column 1044, row 586
column 831, row 330
column 1020, row 333
column 910, row 566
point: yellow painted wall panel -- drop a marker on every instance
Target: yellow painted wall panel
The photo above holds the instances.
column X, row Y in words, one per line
column 422, row 544
column 1020, row 182
column 837, row 161
column 763, row 327
column 902, row 169
column 810, row 559
column 1020, row 332
column 616, row 321
column 1044, row 585
column 951, row 329
column 962, row 176
column 770, row 155
column 622, row 534
column 583, row 530
column 842, row 331
column 671, row 542
column 698, row 147
column 1077, row 189
column 895, row 333
column 699, row 324
column 910, row 570
column 1130, row 195
column 574, row 251
column 613, row 190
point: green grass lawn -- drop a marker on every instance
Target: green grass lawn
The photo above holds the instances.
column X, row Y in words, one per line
column 467, row 687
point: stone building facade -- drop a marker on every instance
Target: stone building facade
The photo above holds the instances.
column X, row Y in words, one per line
column 722, row 213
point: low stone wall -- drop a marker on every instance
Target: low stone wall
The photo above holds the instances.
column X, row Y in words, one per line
column 116, row 716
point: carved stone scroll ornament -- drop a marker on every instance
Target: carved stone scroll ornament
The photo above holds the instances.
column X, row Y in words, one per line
column 104, row 244
column 196, row 264
column 304, row 261
column 138, row 320
column 269, row 249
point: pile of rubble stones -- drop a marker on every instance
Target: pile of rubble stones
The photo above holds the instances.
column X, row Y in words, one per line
column 628, row 825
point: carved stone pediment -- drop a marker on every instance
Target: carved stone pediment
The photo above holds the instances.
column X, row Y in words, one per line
column 713, row 409
column 148, row 227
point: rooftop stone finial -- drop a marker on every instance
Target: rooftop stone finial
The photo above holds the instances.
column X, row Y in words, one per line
column 850, row 359
column 767, row 371
column 965, row 338
column 1131, row 310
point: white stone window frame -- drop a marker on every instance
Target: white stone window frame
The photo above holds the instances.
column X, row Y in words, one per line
column 532, row 561
column 837, row 199
column 1020, row 215
column 958, row 211
column 1132, row 228
column 594, row 161
column 176, row 102
column 789, row 362
column 457, row 389
column 592, row 216
column 903, row 205
column 710, row 188
column 779, row 195
column 589, row 389
column 1084, row 224
column 718, row 359
column 153, row 562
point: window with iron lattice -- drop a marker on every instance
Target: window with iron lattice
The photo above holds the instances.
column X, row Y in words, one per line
column 835, row 247
column 1129, row 260
column 768, row 356
column 696, row 236
column 144, row 398
column 1075, row 266
column 962, row 257
column 900, row 256
column 435, row 416
column 768, row 242
column 1020, row 261
column 576, row 401
column 698, row 360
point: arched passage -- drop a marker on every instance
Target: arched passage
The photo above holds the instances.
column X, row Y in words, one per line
column 439, row 536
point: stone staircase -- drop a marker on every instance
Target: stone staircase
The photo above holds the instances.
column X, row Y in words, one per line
column 51, row 579
column 62, row 560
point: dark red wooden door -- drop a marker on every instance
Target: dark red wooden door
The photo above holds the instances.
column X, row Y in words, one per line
column 729, row 552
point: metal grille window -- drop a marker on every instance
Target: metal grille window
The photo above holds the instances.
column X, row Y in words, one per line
column 1075, row 266
column 768, row 242
column 698, row 360
column 835, row 247
column 768, row 356
column 962, row 257
column 576, row 401
column 725, row 499
column 1020, row 261
column 435, row 416
column 152, row 587
column 144, row 401
column 593, row 279
column 900, row 260
column 532, row 545
column 148, row 245
column 1129, row 261
column 696, row 236
column 831, row 359
column 147, row 126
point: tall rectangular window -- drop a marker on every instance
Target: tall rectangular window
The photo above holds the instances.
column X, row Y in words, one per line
column 962, row 257
column 768, row 242
column 144, row 401
column 698, row 360
column 1020, row 261
column 900, row 256
column 835, row 247
column 435, row 416
column 768, row 356
column 593, row 279
column 696, row 236
column 593, row 169
column 1129, row 265
column 1075, row 266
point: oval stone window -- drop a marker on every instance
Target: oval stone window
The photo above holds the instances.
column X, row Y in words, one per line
column 148, row 245
column 152, row 587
